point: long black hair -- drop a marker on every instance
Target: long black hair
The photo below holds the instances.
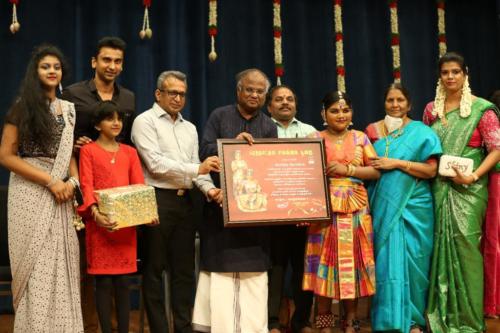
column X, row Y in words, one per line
column 30, row 110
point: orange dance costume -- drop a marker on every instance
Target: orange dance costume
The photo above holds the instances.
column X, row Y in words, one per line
column 339, row 261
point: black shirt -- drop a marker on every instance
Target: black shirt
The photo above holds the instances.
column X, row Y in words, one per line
column 232, row 249
column 85, row 97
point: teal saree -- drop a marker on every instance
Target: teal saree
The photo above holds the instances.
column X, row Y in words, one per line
column 403, row 223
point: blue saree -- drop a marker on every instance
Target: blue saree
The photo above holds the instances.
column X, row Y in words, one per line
column 403, row 225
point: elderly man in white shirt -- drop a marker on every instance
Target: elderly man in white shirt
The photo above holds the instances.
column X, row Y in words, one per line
column 168, row 147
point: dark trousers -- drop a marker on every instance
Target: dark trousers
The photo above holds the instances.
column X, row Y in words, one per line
column 288, row 245
column 170, row 246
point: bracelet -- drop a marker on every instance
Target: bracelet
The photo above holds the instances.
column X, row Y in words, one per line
column 349, row 170
column 475, row 177
column 408, row 165
column 52, row 181
column 74, row 182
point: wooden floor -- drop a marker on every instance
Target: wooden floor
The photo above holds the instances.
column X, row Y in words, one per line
column 6, row 324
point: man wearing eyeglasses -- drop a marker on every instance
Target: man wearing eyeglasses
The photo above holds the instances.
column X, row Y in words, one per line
column 232, row 286
column 168, row 146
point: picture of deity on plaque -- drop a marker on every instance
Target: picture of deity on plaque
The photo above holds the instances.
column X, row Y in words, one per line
column 246, row 189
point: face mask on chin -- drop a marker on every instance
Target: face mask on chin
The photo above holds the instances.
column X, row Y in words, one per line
column 392, row 123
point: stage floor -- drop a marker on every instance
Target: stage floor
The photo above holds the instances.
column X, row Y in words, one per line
column 6, row 324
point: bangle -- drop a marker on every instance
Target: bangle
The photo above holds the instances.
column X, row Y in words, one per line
column 349, row 170
column 475, row 177
column 408, row 166
column 52, row 181
column 353, row 170
column 74, row 182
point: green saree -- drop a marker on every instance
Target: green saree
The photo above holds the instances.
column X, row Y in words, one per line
column 456, row 283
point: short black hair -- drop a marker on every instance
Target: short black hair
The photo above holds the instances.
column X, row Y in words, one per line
column 104, row 110
column 111, row 42
column 269, row 95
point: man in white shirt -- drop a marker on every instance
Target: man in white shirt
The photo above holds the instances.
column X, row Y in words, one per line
column 168, row 147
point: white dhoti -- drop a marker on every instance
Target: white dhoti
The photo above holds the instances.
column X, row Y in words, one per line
column 231, row 303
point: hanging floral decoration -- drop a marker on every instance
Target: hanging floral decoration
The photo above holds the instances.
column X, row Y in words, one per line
column 146, row 31
column 339, row 44
column 278, row 55
column 396, row 59
column 441, row 27
column 212, row 28
column 14, row 26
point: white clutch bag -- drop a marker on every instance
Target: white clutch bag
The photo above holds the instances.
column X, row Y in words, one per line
column 465, row 165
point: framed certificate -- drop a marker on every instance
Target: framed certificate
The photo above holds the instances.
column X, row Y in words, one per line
column 273, row 182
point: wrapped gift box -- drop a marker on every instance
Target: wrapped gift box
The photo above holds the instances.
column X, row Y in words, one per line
column 128, row 205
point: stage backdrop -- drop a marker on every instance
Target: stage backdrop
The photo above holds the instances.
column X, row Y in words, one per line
column 245, row 39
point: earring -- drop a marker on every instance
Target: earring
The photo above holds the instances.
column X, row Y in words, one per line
column 325, row 123
column 60, row 87
column 351, row 123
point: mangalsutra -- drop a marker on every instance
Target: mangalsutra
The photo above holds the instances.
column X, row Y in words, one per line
column 388, row 143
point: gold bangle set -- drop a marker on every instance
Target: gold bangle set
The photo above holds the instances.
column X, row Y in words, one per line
column 351, row 170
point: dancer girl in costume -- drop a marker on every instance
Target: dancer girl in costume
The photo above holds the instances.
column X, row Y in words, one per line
column 339, row 261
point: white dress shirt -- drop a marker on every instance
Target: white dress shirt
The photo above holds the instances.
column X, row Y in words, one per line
column 168, row 150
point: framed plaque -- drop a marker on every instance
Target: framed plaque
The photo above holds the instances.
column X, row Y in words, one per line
column 273, row 182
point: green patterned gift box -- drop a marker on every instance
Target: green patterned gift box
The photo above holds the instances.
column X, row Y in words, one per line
column 128, row 205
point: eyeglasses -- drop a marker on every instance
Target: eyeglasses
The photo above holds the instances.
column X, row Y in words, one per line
column 173, row 93
column 250, row 91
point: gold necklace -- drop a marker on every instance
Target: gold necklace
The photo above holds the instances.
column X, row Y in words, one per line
column 113, row 157
column 338, row 139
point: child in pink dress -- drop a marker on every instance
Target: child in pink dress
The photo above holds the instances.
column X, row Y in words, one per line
column 111, row 255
